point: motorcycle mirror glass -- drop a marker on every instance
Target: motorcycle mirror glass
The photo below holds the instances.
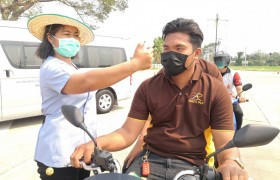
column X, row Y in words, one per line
column 73, row 115
column 247, row 87
column 254, row 135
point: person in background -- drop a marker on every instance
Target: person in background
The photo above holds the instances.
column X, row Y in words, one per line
column 233, row 83
column 62, row 83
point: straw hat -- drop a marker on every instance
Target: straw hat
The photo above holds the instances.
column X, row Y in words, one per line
column 36, row 26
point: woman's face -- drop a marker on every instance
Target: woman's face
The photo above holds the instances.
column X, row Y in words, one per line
column 64, row 32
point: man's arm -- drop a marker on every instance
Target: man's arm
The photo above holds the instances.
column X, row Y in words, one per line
column 117, row 140
column 228, row 167
column 222, row 131
column 221, row 138
column 138, row 147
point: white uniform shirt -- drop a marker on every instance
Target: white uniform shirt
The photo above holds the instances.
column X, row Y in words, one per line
column 228, row 81
column 57, row 137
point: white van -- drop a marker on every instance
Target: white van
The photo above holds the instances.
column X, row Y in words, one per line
column 19, row 71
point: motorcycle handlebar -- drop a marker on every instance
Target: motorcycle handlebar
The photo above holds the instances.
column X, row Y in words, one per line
column 213, row 175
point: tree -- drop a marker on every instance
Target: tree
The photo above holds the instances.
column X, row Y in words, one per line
column 238, row 61
column 158, row 48
column 97, row 9
column 208, row 51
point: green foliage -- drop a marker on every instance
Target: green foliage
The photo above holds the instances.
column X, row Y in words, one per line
column 258, row 58
column 209, row 50
column 158, row 48
column 98, row 10
column 257, row 68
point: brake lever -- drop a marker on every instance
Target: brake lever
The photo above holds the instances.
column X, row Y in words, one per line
column 90, row 167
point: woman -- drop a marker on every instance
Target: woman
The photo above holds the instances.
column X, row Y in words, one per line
column 61, row 83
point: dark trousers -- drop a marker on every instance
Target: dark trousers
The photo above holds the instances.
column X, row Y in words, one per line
column 238, row 115
column 161, row 168
column 68, row 173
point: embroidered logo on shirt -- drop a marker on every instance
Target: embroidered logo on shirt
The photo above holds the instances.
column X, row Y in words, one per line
column 197, row 99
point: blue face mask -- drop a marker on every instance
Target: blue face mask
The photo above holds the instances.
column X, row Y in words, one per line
column 68, row 47
column 220, row 64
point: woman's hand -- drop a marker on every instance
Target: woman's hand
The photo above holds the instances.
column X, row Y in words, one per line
column 142, row 58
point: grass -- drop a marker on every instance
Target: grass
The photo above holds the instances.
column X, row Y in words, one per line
column 257, row 68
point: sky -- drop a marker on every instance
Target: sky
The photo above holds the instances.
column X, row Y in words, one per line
column 245, row 25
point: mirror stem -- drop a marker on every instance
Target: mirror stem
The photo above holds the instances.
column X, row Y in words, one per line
column 85, row 129
column 230, row 144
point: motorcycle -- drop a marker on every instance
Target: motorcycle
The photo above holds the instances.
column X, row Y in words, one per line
column 248, row 136
column 103, row 160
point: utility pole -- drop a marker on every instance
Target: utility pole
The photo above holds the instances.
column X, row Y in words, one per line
column 217, row 22
column 216, row 38
column 245, row 58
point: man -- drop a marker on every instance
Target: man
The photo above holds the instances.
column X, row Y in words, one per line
column 232, row 82
column 183, row 103
column 208, row 68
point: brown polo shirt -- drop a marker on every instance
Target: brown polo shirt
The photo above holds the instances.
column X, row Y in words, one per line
column 180, row 118
column 211, row 69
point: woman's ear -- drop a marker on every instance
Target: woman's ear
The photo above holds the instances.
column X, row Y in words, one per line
column 50, row 38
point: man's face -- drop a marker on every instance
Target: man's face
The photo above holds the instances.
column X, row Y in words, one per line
column 180, row 43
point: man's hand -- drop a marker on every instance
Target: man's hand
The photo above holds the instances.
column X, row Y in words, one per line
column 84, row 150
column 142, row 58
column 230, row 170
column 242, row 99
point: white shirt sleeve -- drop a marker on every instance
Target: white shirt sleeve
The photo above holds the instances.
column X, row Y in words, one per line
column 56, row 75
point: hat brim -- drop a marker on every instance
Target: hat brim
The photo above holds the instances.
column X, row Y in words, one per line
column 37, row 24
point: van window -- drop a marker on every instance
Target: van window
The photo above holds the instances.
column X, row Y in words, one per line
column 22, row 55
column 14, row 55
column 31, row 59
column 104, row 56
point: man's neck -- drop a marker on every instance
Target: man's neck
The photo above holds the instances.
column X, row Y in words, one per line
column 183, row 79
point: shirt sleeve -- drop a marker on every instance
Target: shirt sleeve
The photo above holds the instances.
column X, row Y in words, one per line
column 221, row 114
column 139, row 109
column 56, row 76
column 217, row 74
column 211, row 69
column 237, row 80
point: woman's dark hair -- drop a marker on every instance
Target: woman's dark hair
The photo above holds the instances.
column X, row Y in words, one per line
column 187, row 26
column 46, row 48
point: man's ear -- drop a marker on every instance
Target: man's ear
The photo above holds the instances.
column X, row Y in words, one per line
column 197, row 52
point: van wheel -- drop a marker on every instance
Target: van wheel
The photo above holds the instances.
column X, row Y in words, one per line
column 104, row 101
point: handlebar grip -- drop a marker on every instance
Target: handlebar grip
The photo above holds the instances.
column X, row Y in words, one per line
column 219, row 176
column 213, row 175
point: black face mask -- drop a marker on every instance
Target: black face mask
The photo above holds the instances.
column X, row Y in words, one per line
column 173, row 62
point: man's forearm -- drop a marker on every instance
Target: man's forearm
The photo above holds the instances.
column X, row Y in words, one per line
column 115, row 141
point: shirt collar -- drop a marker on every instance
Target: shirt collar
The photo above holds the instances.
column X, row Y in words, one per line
column 227, row 71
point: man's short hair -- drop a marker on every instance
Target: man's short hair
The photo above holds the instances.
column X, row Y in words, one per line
column 187, row 26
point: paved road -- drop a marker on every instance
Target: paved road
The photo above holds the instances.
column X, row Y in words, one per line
column 18, row 138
